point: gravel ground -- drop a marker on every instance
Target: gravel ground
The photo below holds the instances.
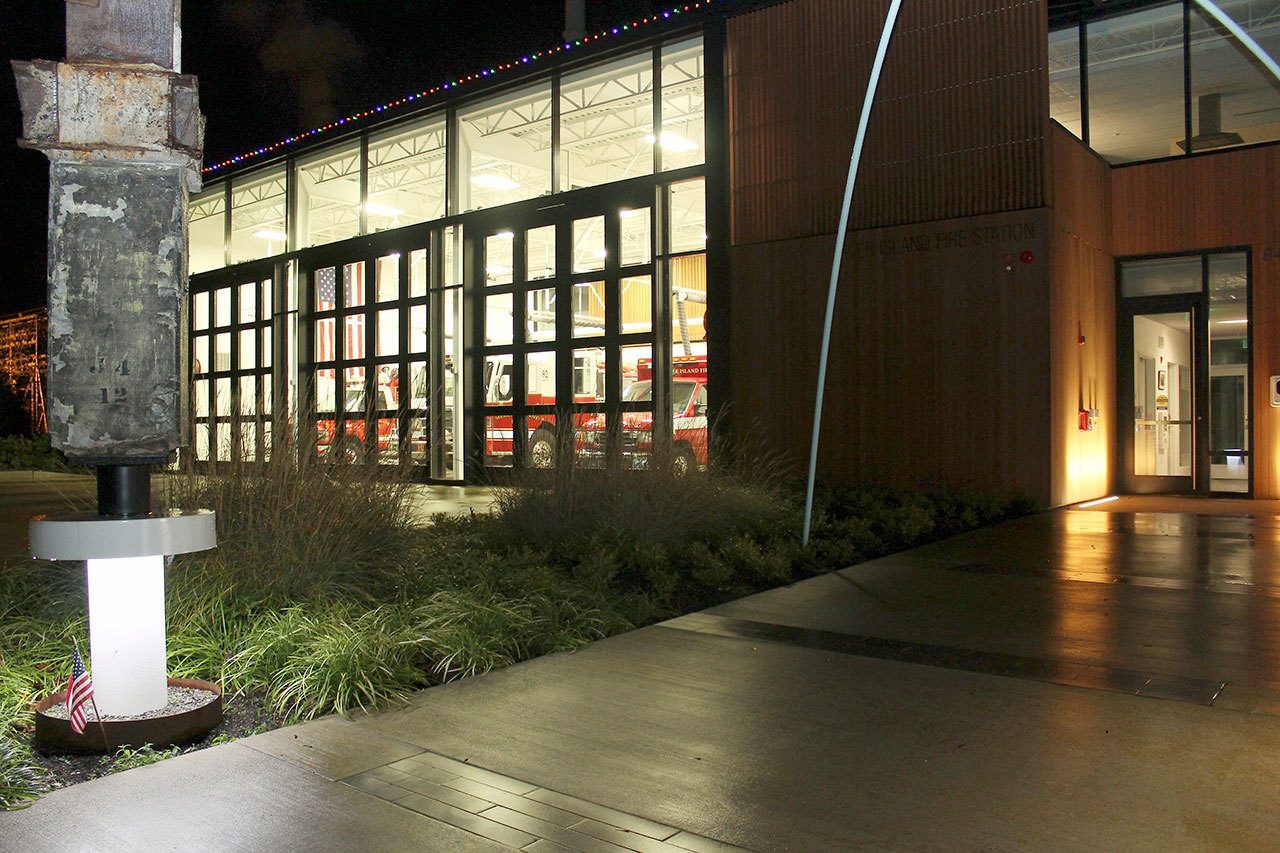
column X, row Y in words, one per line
column 181, row 700
column 242, row 716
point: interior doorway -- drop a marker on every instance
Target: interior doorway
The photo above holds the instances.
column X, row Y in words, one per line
column 1183, row 374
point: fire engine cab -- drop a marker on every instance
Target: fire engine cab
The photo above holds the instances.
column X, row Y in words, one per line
column 351, row 446
column 688, row 413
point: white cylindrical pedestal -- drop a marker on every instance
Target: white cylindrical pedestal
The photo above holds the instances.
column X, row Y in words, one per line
column 126, row 634
column 126, row 595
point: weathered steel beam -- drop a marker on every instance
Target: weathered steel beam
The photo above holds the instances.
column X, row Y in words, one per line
column 123, row 132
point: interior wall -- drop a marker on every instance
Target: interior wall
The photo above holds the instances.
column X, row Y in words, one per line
column 938, row 372
column 1082, row 303
column 1215, row 201
column 1169, row 350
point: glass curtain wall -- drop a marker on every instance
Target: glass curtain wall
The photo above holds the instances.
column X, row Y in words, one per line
column 231, row 368
column 1166, row 80
column 258, row 222
column 606, row 123
column 327, row 188
column 386, row 356
column 1229, row 450
column 406, row 175
column 1065, row 75
column 1167, row 359
column 602, row 122
column 207, row 229
column 504, row 149
column 581, row 311
column 1234, row 100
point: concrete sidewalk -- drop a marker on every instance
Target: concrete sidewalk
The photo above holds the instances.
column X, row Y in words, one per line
column 1073, row 681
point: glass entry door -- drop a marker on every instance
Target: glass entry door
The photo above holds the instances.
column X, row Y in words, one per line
column 381, row 354
column 1183, row 375
column 568, row 300
column 1163, row 402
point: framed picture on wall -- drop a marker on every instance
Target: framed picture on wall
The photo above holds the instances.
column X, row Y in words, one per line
column 1160, row 378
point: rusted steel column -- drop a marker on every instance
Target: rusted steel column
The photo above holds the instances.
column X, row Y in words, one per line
column 123, row 132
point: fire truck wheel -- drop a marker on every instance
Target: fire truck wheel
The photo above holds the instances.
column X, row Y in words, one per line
column 350, row 451
column 542, row 449
column 683, row 462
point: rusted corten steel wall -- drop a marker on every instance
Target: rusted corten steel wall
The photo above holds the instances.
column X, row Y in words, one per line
column 959, row 127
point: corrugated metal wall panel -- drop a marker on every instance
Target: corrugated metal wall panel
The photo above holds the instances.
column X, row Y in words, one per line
column 959, row 127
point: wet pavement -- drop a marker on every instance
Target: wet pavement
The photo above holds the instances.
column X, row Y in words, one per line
column 1079, row 680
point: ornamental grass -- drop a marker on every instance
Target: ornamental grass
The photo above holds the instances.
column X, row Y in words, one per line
column 325, row 594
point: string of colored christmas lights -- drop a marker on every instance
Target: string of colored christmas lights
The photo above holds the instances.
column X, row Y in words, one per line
column 461, row 81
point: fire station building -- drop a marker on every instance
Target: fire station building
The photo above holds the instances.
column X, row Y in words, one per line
column 1062, row 275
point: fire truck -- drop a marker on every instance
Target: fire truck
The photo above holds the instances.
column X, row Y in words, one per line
column 351, row 446
column 688, row 411
column 540, row 390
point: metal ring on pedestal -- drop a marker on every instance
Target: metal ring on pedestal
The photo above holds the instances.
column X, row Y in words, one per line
column 93, row 537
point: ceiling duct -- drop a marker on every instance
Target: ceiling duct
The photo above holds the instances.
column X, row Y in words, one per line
column 1211, row 134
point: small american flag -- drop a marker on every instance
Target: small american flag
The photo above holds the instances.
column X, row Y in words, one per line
column 79, row 691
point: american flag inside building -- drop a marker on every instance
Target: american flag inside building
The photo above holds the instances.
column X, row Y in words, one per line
column 353, row 324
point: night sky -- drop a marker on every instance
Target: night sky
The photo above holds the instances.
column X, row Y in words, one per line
column 272, row 68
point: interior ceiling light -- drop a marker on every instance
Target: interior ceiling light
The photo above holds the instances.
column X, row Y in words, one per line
column 671, row 141
column 1232, row 322
column 506, row 235
column 382, row 209
column 491, row 181
column 270, row 234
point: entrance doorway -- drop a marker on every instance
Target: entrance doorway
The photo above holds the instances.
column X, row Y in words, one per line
column 567, row 299
column 381, row 352
column 1184, row 366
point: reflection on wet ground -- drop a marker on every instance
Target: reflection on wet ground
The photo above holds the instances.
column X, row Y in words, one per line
column 1175, row 605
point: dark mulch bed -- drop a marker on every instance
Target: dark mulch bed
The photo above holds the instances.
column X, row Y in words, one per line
column 242, row 716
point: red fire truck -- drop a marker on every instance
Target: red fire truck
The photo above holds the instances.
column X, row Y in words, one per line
column 688, row 412
column 540, row 390
column 351, row 446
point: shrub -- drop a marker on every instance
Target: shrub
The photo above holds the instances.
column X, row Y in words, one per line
column 22, row 779
column 325, row 594
column 31, row 453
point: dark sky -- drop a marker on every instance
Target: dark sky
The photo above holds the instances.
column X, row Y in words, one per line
column 271, row 68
